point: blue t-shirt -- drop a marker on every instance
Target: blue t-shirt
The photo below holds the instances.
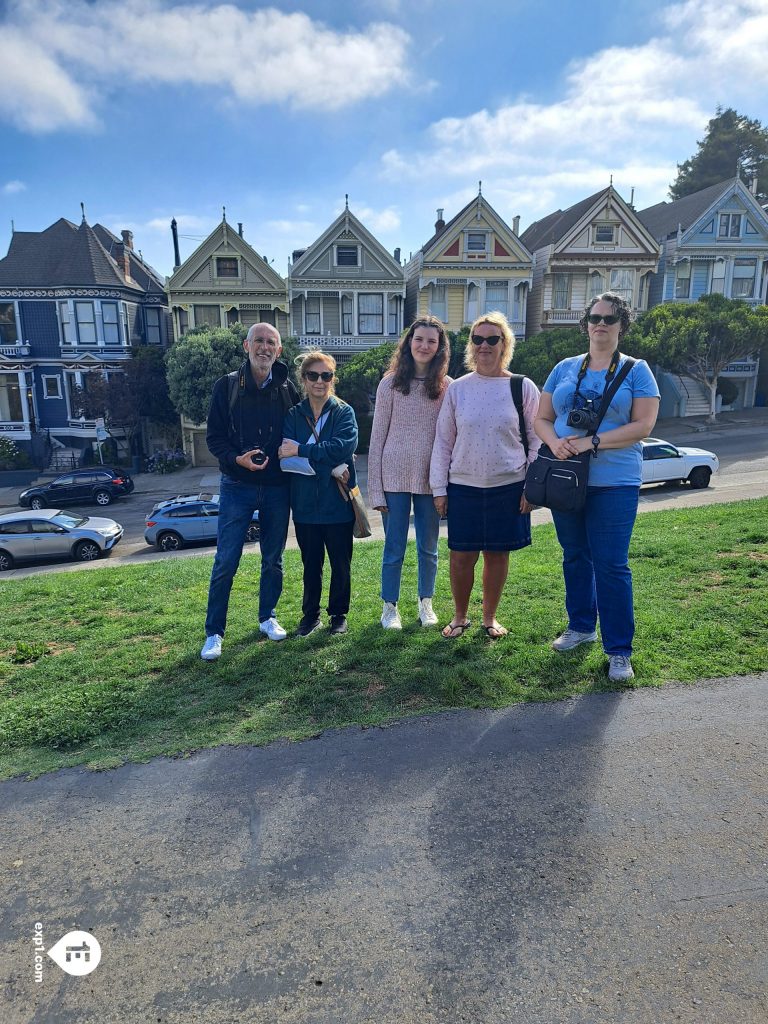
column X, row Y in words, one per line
column 616, row 467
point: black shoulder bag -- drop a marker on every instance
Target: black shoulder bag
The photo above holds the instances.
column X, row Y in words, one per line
column 561, row 484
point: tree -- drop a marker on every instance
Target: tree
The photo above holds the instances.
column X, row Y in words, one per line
column 536, row 356
column 197, row 361
column 732, row 140
column 699, row 338
column 359, row 378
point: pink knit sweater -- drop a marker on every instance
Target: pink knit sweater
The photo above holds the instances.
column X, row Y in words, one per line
column 401, row 440
column 477, row 442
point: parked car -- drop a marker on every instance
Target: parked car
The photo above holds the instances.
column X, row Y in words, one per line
column 665, row 461
column 53, row 534
column 188, row 519
column 99, row 484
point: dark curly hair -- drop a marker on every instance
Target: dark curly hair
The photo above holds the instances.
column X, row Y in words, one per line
column 403, row 369
column 621, row 309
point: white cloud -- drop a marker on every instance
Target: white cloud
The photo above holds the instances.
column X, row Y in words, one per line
column 12, row 187
column 376, row 221
column 58, row 55
column 295, row 229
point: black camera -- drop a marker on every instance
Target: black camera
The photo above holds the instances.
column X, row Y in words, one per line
column 259, row 457
column 586, row 418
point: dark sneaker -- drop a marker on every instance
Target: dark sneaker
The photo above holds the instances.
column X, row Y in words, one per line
column 307, row 626
column 338, row 624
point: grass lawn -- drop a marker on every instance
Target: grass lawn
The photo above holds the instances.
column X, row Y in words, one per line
column 103, row 666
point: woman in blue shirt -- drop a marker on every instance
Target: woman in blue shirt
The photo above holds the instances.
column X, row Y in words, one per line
column 595, row 540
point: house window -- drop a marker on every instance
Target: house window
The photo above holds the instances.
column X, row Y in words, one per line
column 743, row 279
column 596, row 283
column 86, row 323
column 497, row 297
column 8, row 333
column 604, row 233
column 718, row 277
column 392, row 315
column 207, row 316
column 109, row 316
column 623, row 283
column 476, row 241
column 10, row 399
column 152, row 326
column 561, row 291
column 227, row 266
column 370, row 312
column 347, row 256
column 683, row 280
column 438, row 305
column 52, row 387
column 730, row 225
column 312, row 316
column 472, row 303
column 346, row 314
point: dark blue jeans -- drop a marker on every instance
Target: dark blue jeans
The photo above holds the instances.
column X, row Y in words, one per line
column 237, row 503
column 598, row 581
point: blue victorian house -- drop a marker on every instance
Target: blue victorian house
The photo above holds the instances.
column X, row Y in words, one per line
column 73, row 301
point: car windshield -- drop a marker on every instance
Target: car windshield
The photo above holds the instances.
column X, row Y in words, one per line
column 62, row 519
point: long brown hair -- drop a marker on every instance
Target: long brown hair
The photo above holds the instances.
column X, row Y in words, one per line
column 403, row 369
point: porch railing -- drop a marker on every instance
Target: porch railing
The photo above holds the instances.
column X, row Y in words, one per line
column 13, row 351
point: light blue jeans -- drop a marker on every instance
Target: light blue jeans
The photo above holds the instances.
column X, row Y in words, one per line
column 396, row 520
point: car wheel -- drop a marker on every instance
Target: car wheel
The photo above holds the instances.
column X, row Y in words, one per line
column 169, row 541
column 103, row 497
column 253, row 532
column 6, row 561
column 37, row 504
column 87, row 551
column 699, row 477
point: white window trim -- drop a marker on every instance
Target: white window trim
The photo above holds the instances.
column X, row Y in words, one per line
column 728, row 236
column 17, row 319
column 605, row 241
column 57, row 378
column 486, row 251
column 348, row 245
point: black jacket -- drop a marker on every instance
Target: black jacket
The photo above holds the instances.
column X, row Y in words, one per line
column 255, row 421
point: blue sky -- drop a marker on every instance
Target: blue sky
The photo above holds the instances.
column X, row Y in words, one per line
column 149, row 109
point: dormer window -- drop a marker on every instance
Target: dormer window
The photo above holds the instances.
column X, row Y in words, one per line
column 730, row 225
column 347, row 256
column 227, row 266
column 604, row 233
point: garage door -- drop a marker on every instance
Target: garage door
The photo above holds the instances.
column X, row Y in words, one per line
column 202, row 456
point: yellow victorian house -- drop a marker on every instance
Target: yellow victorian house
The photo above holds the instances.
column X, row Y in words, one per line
column 473, row 264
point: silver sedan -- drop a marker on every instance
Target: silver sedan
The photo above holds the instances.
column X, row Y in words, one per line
column 53, row 534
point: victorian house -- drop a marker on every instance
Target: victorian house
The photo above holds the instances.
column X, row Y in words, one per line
column 346, row 292
column 714, row 240
column 73, row 300
column 225, row 281
column 473, row 264
column 597, row 245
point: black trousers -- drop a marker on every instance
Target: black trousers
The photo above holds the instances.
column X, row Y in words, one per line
column 314, row 540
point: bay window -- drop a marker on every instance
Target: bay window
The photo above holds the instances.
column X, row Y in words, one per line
column 10, row 399
column 370, row 310
column 623, row 283
column 561, row 291
column 152, row 325
column 312, row 315
column 346, row 314
column 743, row 279
column 111, row 321
column 497, row 297
column 438, row 305
column 207, row 316
column 717, row 284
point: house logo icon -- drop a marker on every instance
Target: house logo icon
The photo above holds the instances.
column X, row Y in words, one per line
column 76, row 953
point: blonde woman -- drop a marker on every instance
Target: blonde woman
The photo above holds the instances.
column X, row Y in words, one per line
column 478, row 470
column 323, row 430
column 408, row 401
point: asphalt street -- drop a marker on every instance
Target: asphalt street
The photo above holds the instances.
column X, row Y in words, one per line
column 601, row 860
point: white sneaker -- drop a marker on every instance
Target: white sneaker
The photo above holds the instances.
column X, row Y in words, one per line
column 427, row 616
column 272, row 629
column 571, row 638
column 211, row 648
column 390, row 616
column 619, row 668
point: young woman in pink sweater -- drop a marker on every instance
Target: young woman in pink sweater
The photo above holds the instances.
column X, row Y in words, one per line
column 408, row 401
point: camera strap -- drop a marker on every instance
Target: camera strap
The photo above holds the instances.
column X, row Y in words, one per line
column 612, row 367
column 611, row 389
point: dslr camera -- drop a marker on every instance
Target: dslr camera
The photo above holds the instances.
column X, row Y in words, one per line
column 585, row 418
column 259, row 456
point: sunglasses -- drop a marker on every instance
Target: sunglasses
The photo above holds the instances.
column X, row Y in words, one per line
column 478, row 339
column 608, row 320
column 316, row 375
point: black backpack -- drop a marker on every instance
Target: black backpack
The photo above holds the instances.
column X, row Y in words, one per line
column 236, row 386
column 516, row 384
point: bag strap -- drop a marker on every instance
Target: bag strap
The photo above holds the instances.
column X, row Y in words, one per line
column 516, row 385
column 616, row 383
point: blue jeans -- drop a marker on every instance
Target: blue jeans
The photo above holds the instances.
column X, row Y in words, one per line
column 598, row 581
column 396, row 520
column 237, row 503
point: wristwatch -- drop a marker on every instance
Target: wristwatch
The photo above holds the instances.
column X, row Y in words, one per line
column 595, row 444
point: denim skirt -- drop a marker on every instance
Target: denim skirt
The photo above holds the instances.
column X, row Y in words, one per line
column 487, row 518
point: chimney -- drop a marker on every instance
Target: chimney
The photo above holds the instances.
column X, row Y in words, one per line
column 753, row 185
column 516, row 224
column 127, row 238
column 240, row 228
column 176, row 256
column 439, row 223
column 397, row 255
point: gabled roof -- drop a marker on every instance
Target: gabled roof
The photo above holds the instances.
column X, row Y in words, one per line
column 62, row 255
column 142, row 273
column 348, row 221
column 481, row 203
column 551, row 228
column 663, row 218
column 223, row 231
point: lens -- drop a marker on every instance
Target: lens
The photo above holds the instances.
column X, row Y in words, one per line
column 608, row 320
column 478, row 339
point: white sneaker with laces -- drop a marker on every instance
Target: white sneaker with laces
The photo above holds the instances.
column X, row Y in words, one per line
column 427, row 615
column 572, row 638
column 211, row 648
column 619, row 668
column 272, row 629
column 390, row 616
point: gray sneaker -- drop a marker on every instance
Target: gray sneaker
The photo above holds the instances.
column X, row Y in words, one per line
column 619, row 668
column 571, row 638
